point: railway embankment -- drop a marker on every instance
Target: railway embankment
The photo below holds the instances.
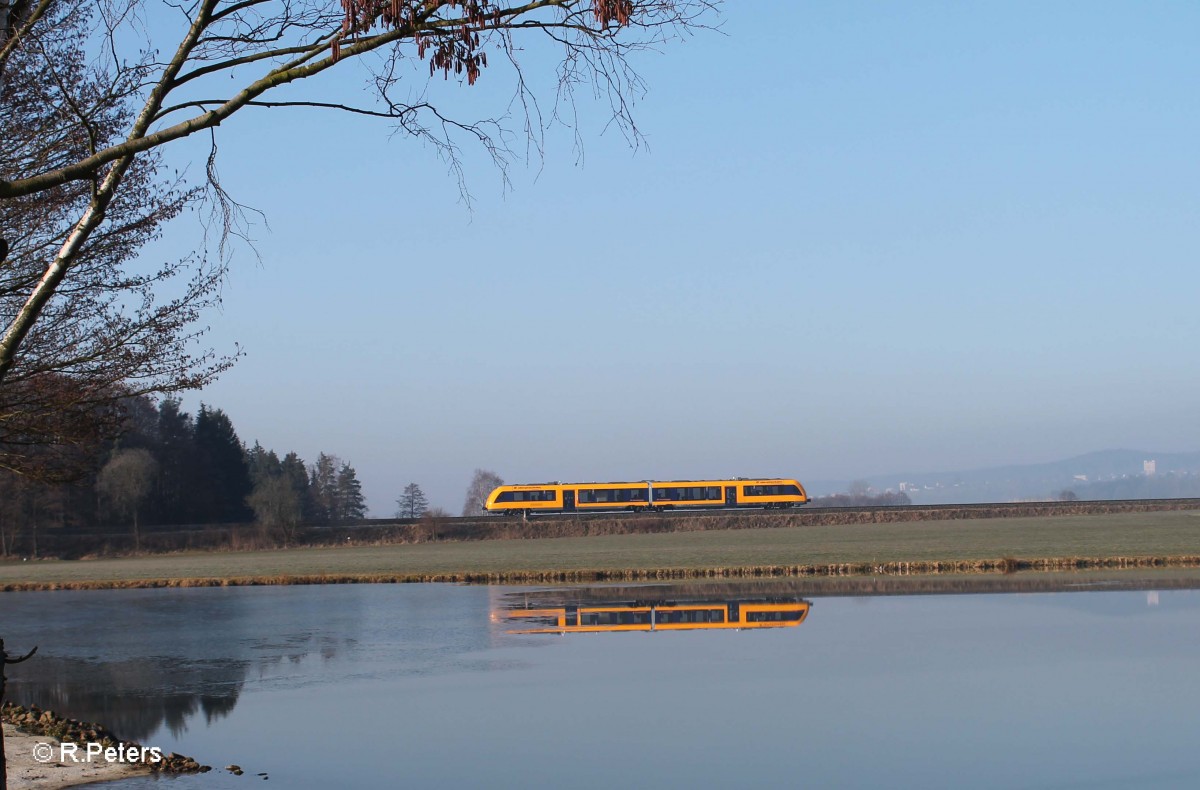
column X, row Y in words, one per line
column 583, row 524
column 1161, row 539
column 75, row 545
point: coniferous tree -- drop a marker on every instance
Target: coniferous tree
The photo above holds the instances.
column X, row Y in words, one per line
column 262, row 464
column 352, row 505
column 322, row 489
column 177, row 465
column 224, row 479
column 412, row 503
column 140, row 425
column 295, row 471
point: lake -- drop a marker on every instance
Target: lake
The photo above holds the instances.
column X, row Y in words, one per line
column 424, row 685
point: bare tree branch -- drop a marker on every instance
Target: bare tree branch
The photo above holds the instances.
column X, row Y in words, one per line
column 86, row 150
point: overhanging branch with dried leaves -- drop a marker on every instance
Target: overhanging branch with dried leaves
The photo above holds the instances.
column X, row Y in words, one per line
column 87, row 152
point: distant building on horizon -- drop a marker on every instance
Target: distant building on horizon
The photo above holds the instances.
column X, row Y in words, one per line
column 1149, row 467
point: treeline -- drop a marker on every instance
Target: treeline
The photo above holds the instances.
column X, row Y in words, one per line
column 169, row 468
column 862, row 499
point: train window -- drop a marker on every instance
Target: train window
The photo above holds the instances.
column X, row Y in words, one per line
column 691, row 616
column 526, row 496
column 789, row 616
column 614, row 618
column 773, row 490
column 606, row 495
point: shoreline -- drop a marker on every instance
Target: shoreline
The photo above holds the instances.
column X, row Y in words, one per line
column 45, row 750
column 24, row 771
column 850, row 570
column 982, row 546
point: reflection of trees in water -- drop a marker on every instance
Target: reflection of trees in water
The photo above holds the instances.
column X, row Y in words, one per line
column 132, row 698
column 135, row 698
column 177, row 655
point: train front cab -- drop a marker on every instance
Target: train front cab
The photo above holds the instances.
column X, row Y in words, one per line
column 769, row 493
column 765, row 493
column 523, row 500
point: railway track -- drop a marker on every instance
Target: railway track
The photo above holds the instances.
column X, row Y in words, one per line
column 1104, row 506
column 736, row 516
column 936, row 512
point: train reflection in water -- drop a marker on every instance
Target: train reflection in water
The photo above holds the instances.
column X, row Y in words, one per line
column 657, row 616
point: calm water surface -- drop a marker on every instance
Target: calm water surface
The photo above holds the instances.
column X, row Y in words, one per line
column 418, row 685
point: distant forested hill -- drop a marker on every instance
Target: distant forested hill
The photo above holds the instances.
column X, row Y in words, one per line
column 1106, row 474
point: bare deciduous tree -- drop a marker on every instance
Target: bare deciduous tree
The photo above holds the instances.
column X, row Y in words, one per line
column 432, row 524
column 124, row 483
column 482, row 484
column 277, row 507
column 107, row 333
column 230, row 55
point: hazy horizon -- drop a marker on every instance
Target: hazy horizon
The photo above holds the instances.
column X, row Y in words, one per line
column 858, row 240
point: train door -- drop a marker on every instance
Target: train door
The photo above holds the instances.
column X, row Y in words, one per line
column 568, row 500
column 730, row 496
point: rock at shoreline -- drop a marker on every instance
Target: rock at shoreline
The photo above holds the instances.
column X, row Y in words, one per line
column 36, row 721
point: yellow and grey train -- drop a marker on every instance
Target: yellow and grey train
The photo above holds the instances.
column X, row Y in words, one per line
column 646, row 495
column 708, row 615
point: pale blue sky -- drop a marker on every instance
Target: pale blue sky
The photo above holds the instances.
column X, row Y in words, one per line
column 862, row 238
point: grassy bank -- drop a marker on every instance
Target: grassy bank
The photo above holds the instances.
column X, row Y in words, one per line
column 994, row 545
column 67, row 544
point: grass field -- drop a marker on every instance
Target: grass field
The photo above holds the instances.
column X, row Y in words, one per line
column 1169, row 537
